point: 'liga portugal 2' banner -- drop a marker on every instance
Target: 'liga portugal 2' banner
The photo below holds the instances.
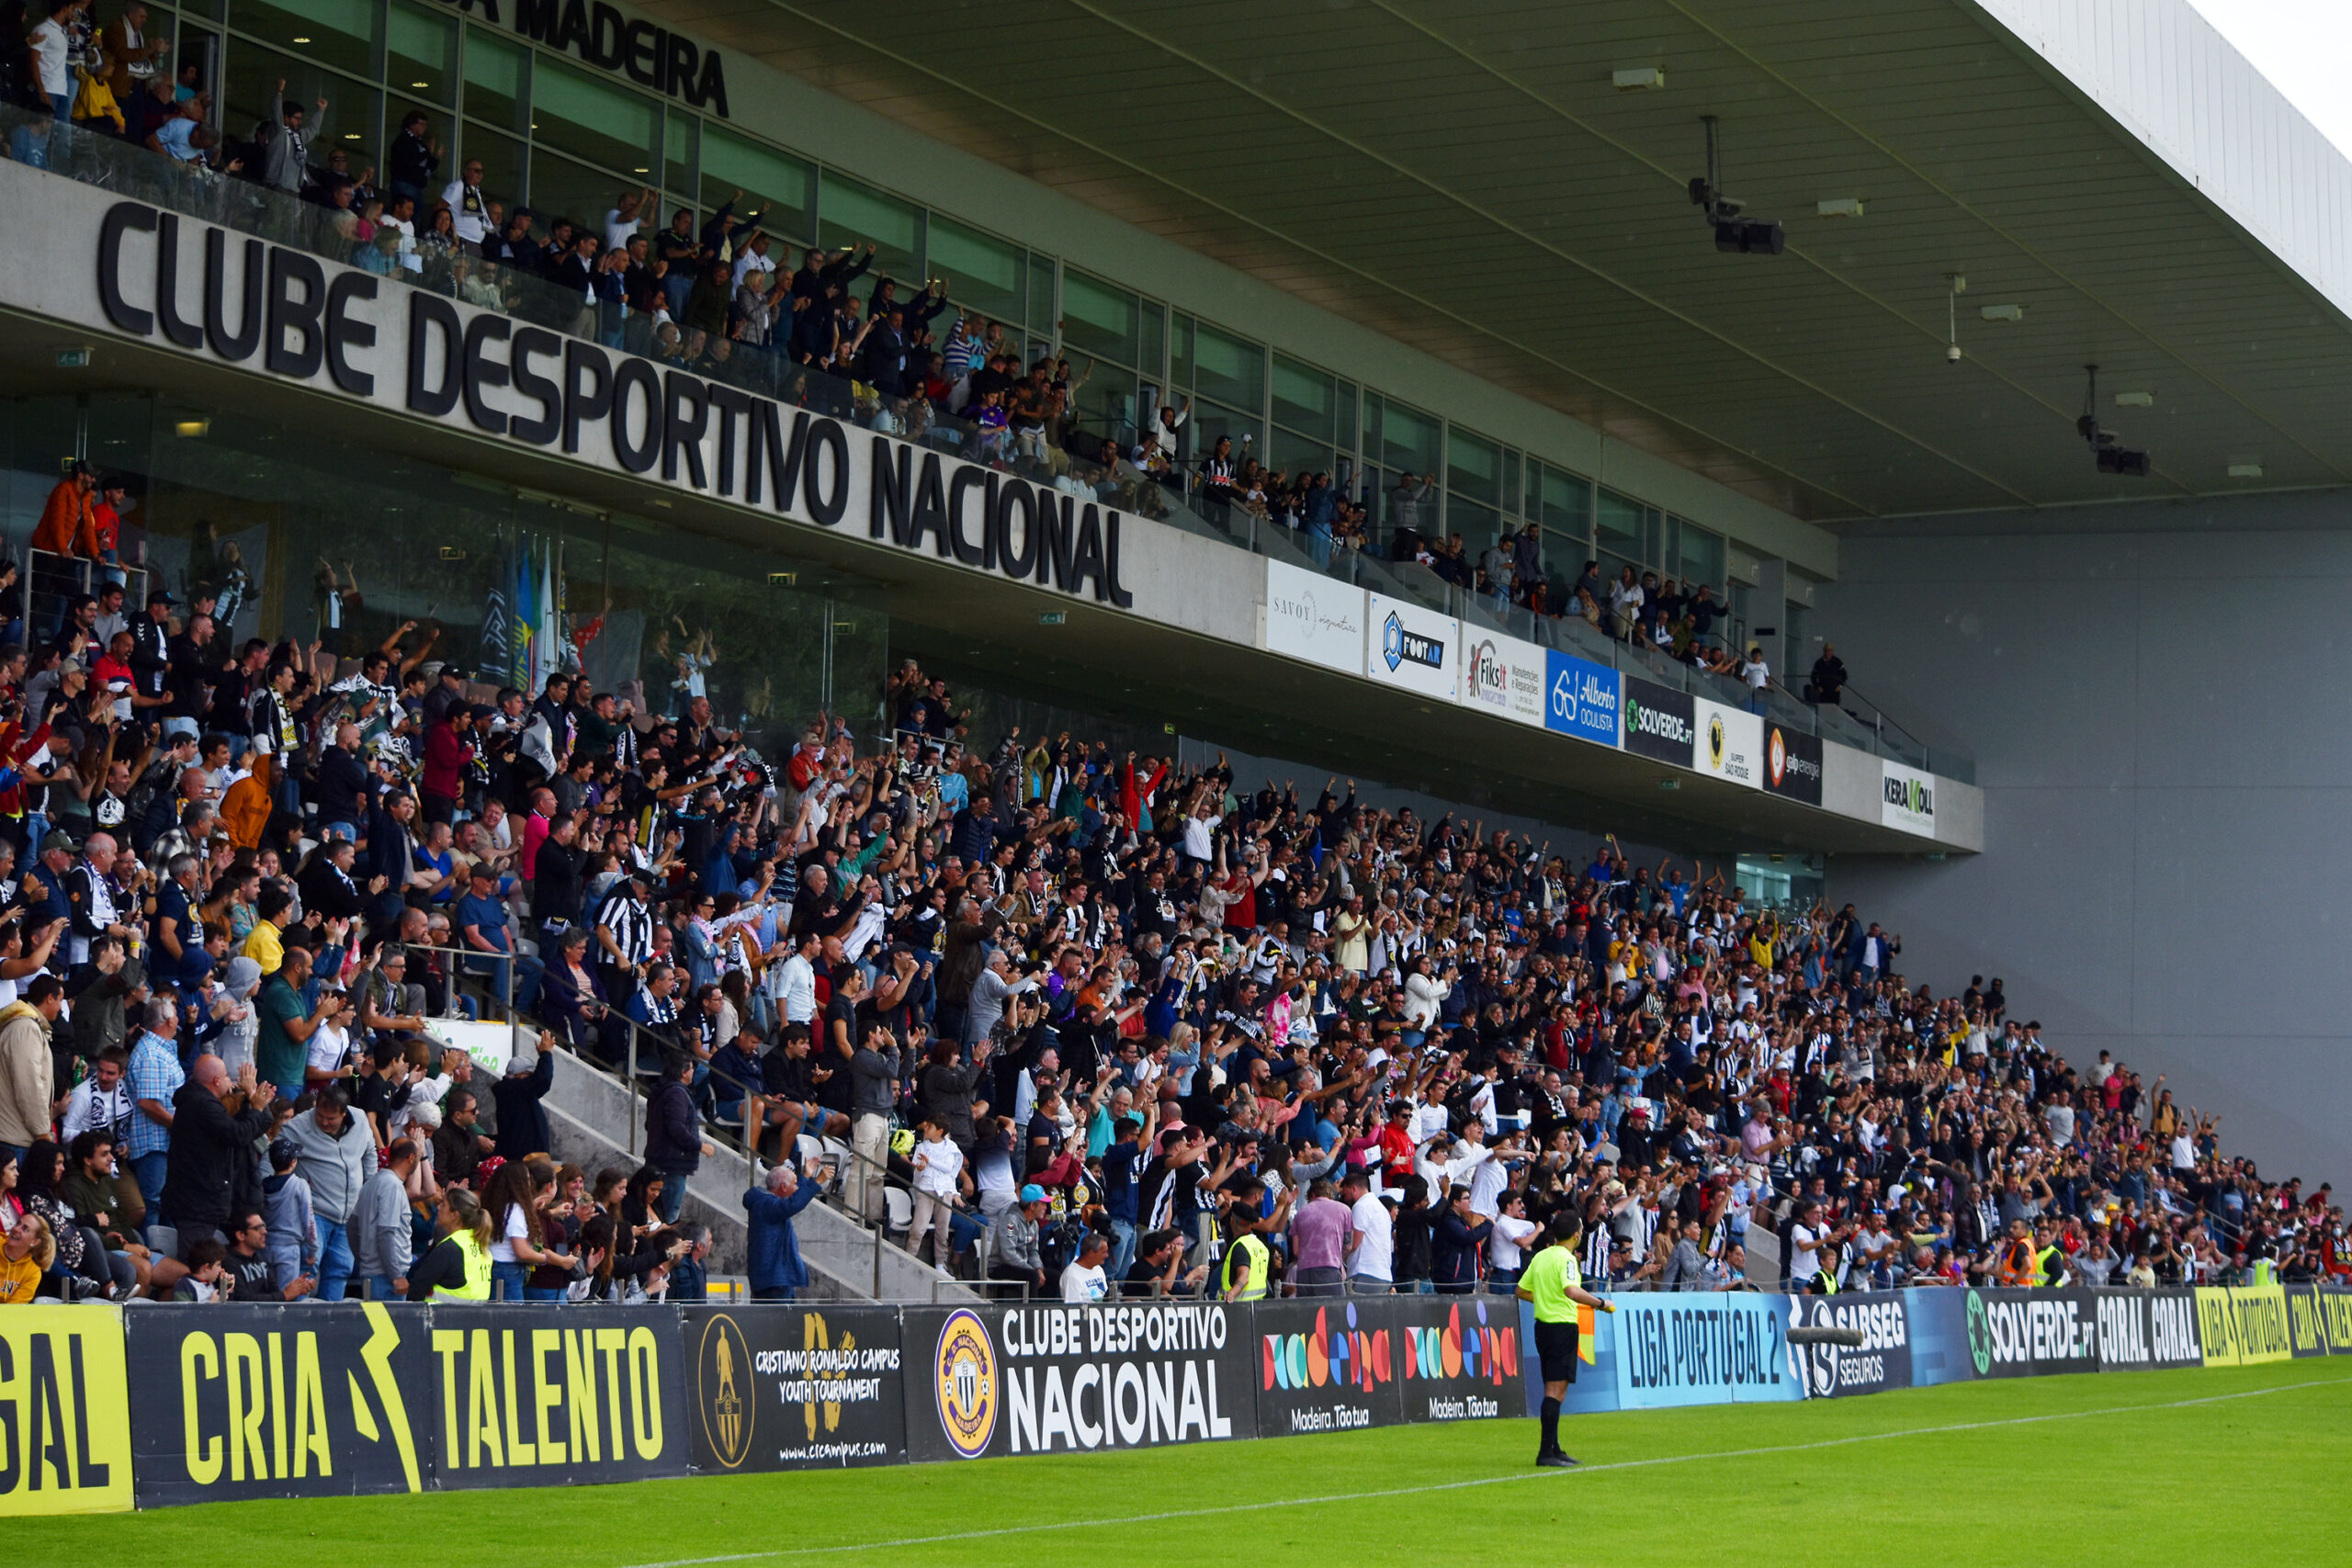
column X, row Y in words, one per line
column 780, row 1387
column 64, row 1419
column 1702, row 1350
column 2241, row 1325
column 1461, row 1357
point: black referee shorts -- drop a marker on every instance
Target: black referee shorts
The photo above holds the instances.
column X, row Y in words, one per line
column 1555, row 1346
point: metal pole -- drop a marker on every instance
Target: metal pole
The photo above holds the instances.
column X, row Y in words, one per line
column 629, row 1084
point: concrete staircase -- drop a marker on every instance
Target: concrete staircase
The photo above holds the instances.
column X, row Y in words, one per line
column 589, row 1121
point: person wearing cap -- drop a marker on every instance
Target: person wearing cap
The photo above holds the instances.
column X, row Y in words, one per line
column 1012, row 1241
column 1554, row 1287
column 286, row 1204
column 151, row 647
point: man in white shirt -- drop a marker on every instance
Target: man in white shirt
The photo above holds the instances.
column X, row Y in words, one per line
column 1083, row 1281
column 1514, row 1232
column 468, row 210
column 794, row 983
column 1371, row 1235
column 624, row 222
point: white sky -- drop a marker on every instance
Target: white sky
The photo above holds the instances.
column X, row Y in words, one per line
column 2304, row 46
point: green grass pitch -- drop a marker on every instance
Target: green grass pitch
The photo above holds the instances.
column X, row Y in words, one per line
column 2241, row 1466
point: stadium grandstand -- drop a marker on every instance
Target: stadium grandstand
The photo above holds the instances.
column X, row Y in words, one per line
column 960, row 676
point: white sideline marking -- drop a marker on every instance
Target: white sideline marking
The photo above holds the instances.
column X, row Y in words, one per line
column 1482, row 1481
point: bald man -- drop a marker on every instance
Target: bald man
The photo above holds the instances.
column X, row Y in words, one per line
column 216, row 1120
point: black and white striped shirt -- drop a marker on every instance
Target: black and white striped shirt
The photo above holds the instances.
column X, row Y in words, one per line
column 629, row 922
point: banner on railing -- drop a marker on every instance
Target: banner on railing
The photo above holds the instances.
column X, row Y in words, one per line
column 1693, row 1348
column 2243, row 1325
column 1882, row 1362
column 786, row 1387
column 234, row 1401
column 1462, row 1357
column 64, row 1426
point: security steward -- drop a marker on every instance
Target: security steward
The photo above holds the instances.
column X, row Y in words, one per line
column 1554, row 1286
column 1248, row 1270
column 457, row 1266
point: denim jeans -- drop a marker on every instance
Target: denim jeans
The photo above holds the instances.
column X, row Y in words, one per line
column 673, row 1191
column 508, row 1282
column 1123, row 1248
column 379, row 1289
column 335, row 1260
column 148, row 1171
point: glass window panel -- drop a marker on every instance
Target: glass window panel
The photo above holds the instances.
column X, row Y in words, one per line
column 420, row 54
column 1041, row 293
column 1304, row 399
column 1294, row 454
column 852, row 213
column 1344, row 407
column 1107, row 405
column 680, row 145
column 1371, row 426
column 497, row 80
column 1230, row 369
column 1567, row 503
column 1473, row 468
column 1409, row 440
column 1179, row 357
column 354, row 112
column 593, row 120
column 1511, row 495
column 1618, row 522
column 561, row 188
column 504, row 164
column 1101, row 320
column 341, row 33
column 1155, row 339
column 1703, row 556
column 1209, row 422
column 1478, row 525
column 985, row 276
column 774, row 183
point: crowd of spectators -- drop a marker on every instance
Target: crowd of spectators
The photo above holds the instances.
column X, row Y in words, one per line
column 1076, row 1022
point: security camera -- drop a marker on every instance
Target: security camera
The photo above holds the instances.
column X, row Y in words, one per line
column 1951, row 353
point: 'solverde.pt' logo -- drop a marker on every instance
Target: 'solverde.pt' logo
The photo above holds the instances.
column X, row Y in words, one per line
column 1980, row 1334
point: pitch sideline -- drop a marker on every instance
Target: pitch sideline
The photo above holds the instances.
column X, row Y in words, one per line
column 1327, row 1498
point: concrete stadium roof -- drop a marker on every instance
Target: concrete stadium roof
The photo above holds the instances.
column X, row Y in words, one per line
column 1464, row 176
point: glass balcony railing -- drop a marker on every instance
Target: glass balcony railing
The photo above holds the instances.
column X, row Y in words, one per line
column 140, row 174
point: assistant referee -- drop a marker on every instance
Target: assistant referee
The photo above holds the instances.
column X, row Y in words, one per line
column 1556, row 1286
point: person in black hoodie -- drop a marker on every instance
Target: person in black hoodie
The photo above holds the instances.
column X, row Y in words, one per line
column 1412, row 1237
column 215, row 1123
column 522, row 1119
column 413, row 158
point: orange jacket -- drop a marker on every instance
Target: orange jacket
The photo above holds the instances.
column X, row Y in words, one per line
column 245, row 810
column 67, row 525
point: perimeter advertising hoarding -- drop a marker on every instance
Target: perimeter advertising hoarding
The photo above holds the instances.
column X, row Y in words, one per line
column 1595, row 1384
column 1659, row 723
column 2142, row 1329
column 64, row 1413
column 2320, row 1318
column 1937, row 1320
column 1329, row 1365
column 2243, row 1325
column 1581, row 698
column 1693, row 1348
column 1461, row 1357
column 1882, row 1362
column 1730, row 745
column 1910, row 798
column 785, row 1387
column 530, row 1396
column 1791, row 763
column 1504, row 676
column 1314, row 618
column 2015, row 1334
column 1018, row 1380
column 1417, row 649
column 234, row 1402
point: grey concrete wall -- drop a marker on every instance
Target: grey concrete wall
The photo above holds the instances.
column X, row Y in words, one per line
column 2156, row 699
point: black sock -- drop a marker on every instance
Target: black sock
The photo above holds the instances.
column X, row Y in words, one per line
column 1551, row 1426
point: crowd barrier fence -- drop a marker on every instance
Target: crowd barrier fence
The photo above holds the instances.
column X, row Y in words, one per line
column 104, row 1409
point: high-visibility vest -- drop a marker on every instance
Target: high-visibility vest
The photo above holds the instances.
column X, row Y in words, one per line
column 2044, row 1274
column 1250, row 1250
column 477, row 1285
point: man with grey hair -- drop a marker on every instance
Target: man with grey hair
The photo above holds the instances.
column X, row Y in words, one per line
column 772, row 1261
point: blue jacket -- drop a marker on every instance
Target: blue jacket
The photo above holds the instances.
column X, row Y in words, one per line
column 774, row 1250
